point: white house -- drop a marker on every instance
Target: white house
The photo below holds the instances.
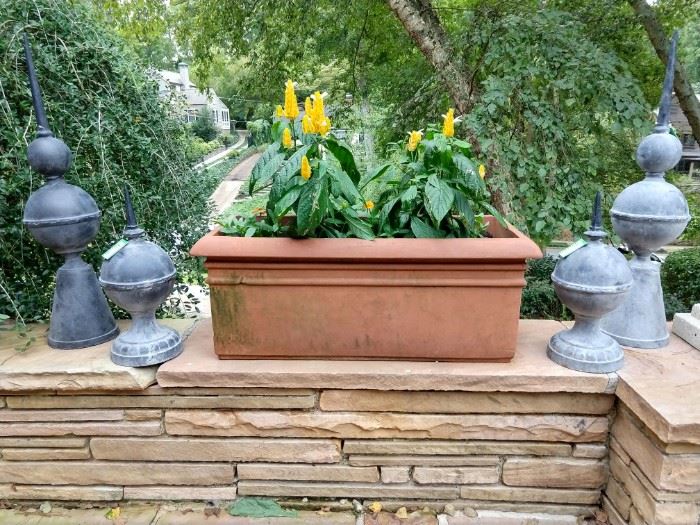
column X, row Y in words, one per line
column 194, row 101
column 690, row 161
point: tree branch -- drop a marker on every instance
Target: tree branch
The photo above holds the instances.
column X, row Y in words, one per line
column 684, row 90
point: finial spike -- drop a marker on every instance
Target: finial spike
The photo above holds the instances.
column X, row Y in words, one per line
column 665, row 103
column 129, row 207
column 597, row 216
column 41, row 119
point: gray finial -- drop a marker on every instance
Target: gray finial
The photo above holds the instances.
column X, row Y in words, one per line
column 41, row 119
column 132, row 229
column 665, row 103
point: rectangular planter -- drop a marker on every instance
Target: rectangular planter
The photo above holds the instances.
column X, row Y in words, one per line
column 412, row 299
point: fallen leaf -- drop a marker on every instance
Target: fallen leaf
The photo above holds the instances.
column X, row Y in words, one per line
column 375, row 507
column 402, row 513
column 113, row 513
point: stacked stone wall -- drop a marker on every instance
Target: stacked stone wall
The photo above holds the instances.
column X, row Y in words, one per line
column 529, row 452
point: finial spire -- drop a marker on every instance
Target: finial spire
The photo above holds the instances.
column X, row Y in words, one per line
column 597, row 216
column 665, row 103
column 42, row 121
column 132, row 229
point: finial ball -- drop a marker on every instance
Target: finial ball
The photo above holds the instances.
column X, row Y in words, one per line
column 659, row 152
column 49, row 156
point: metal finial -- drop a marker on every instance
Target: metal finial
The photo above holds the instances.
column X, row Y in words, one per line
column 665, row 103
column 132, row 229
column 597, row 216
column 42, row 121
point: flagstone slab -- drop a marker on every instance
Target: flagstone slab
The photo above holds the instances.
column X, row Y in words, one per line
column 662, row 388
column 529, row 371
column 39, row 367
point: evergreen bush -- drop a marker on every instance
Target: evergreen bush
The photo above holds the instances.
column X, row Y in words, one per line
column 539, row 299
column 102, row 104
column 680, row 278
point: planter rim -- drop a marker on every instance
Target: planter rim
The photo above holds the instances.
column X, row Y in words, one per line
column 507, row 244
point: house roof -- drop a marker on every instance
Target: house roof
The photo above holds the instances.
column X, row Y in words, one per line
column 194, row 96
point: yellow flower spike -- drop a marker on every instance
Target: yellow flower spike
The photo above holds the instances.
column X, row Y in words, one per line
column 324, row 126
column 448, row 125
column 279, row 112
column 307, row 124
column 305, row 168
column 291, row 109
column 414, row 137
column 369, row 205
column 482, row 171
column 308, row 108
column 287, row 138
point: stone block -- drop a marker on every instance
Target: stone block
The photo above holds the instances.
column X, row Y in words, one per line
column 465, row 402
column 614, row 517
column 2, row 402
column 267, row 471
column 29, row 442
column 386, row 518
column 61, row 415
column 386, row 425
column 131, row 428
column 618, row 497
column 556, row 473
column 679, row 473
column 409, row 447
column 142, row 415
column 180, row 493
column 587, row 450
column 344, row 490
column 424, row 461
column 495, row 517
column 197, row 449
column 162, row 400
column 44, row 454
column 524, row 494
column 455, row 475
column 395, row 474
column 530, row 508
column 114, row 473
column 687, row 327
column 617, row 448
column 60, row 493
column 636, row 518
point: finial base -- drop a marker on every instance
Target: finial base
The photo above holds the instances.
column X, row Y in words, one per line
column 573, row 349
column 640, row 322
column 80, row 315
column 146, row 343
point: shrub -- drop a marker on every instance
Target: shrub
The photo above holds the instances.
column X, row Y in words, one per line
column 539, row 300
column 204, row 127
column 100, row 102
column 680, row 278
column 260, row 132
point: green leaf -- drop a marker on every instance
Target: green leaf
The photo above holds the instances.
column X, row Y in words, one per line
column 267, row 172
column 287, row 200
column 359, row 227
column 468, row 168
column 423, row 230
column 345, row 185
column 313, row 203
column 277, row 129
column 343, row 154
column 269, row 153
column 499, row 217
column 410, row 194
column 375, row 174
column 386, row 211
column 259, row 508
column 463, row 207
column 283, row 176
column 438, row 198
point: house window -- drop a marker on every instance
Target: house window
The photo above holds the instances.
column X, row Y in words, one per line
column 224, row 116
column 191, row 115
column 688, row 140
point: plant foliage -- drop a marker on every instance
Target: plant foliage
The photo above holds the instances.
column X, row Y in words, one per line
column 679, row 278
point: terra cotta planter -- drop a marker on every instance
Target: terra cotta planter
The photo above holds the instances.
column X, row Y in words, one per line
column 412, row 299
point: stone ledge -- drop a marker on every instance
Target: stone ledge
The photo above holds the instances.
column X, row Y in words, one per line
column 529, row 371
column 662, row 388
column 40, row 367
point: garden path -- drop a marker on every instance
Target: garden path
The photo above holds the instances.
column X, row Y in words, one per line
column 227, row 191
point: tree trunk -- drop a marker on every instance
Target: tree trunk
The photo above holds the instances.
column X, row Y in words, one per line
column 424, row 27
column 684, row 90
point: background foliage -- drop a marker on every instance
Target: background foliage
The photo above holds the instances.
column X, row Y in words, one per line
column 100, row 102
